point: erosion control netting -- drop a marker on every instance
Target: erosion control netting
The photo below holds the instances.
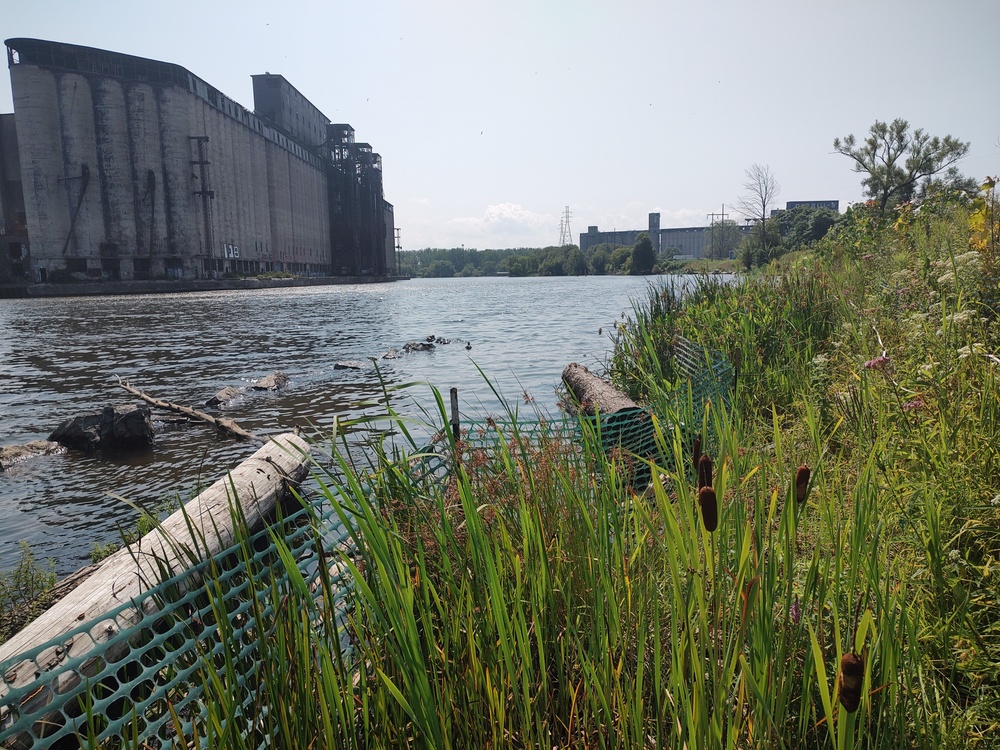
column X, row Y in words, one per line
column 139, row 662
column 141, row 659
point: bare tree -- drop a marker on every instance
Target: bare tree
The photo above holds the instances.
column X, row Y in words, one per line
column 761, row 189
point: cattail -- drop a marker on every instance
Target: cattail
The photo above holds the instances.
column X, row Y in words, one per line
column 801, row 483
column 852, row 675
column 704, row 472
column 709, row 508
column 696, row 451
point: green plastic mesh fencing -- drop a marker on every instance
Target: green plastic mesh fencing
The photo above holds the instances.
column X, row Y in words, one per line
column 138, row 660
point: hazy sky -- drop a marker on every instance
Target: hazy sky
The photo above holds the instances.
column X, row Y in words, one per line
column 492, row 116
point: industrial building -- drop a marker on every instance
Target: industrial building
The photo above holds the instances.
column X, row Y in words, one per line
column 129, row 168
column 688, row 242
column 682, row 241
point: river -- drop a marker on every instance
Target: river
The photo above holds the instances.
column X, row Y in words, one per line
column 61, row 358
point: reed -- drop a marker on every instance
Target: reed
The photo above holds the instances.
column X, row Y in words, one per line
column 843, row 596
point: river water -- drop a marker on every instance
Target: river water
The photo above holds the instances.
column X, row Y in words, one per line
column 61, row 358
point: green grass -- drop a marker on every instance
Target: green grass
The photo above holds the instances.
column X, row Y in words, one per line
column 532, row 597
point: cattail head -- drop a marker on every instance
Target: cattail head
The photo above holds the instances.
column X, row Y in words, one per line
column 801, row 483
column 709, row 508
column 704, row 471
column 696, row 451
column 852, row 675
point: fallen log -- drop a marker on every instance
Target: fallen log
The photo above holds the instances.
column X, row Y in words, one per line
column 201, row 529
column 594, row 394
column 221, row 423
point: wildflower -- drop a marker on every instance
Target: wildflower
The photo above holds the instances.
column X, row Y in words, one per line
column 867, row 256
column 801, row 483
column 704, row 472
column 795, row 611
column 709, row 508
column 852, row 674
column 879, row 363
column 967, row 351
column 995, row 502
column 917, row 403
column 962, row 316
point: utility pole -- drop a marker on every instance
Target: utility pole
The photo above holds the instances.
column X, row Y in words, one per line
column 712, row 223
column 399, row 249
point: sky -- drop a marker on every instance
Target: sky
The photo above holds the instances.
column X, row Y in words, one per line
column 494, row 116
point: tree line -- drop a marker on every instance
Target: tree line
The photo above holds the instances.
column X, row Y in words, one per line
column 900, row 166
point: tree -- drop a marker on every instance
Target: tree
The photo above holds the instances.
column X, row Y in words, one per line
column 762, row 189
column 643, row 255
column 896, row 160
column 621, row 259
column 803, row 225
column 723, row 239
column 599, row 260
column 575, row 264
column 439, row 269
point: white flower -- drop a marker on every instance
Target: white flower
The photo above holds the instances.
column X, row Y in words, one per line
column 967, row 259
column 960, row 317
column 968, row 351
column 946, row 279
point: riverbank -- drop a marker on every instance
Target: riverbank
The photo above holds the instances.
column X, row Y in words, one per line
column 825, row 579
column 816, row 570
column 172, row 286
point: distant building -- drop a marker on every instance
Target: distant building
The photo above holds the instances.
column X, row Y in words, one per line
column 690, row 242
column 686, row 241
column 130, row 168
column 832, row 205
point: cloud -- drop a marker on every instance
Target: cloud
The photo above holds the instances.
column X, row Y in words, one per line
column 508, row 220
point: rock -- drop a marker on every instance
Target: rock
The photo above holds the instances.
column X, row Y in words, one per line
column 273, row 382
column 348, row 364
column 418, row 346
column 115, row 428
column 13, row 454
column 224, row 396
column 393, row 353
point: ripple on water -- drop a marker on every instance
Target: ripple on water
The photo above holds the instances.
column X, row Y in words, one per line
column 62, row 357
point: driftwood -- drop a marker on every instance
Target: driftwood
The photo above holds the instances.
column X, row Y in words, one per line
column 198, row 531
column 594, row 394
column 221, row 423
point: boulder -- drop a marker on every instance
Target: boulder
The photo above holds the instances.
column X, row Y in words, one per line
column 224, row 396
column 273, row 382
column 125, row 427
column 418, row 346
column 13, row 454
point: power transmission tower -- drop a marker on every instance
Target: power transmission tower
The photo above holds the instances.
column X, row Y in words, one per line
column 565, row 233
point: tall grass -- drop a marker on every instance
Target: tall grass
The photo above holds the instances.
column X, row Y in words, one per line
column 531, row 596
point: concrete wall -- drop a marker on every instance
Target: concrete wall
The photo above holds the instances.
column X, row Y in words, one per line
column 137, row 212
